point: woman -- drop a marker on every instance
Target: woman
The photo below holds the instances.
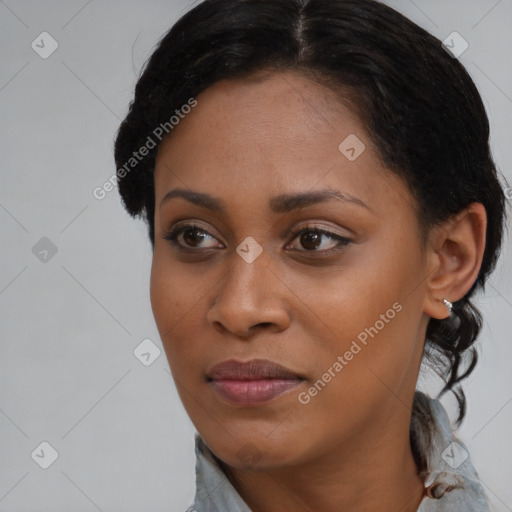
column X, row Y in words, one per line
column 322, row 205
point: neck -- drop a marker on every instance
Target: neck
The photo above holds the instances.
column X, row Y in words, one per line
column 374, row 471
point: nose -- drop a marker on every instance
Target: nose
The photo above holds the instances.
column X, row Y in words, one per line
column 250, row 297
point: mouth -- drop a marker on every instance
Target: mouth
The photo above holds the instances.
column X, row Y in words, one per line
column 253, row 382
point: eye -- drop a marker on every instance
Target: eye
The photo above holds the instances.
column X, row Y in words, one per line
column 312, row 238
column 193, row 236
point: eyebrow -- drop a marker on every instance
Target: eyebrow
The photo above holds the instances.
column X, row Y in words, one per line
column 282, row 203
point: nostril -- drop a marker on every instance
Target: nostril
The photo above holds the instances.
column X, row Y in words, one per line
column 262, row 324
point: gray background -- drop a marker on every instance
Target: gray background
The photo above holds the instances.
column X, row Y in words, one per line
column 69, row 325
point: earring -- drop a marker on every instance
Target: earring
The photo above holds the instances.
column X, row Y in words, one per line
column 448, row 304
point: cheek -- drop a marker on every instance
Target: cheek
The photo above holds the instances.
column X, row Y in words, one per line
column 354, row 297
column 172, row 297
column 178, row 300
column 371, row 313
column 162, row 294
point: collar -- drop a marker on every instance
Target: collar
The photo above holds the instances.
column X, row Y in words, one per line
column 451, row 481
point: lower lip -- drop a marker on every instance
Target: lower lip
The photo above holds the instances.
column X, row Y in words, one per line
column 253, row 392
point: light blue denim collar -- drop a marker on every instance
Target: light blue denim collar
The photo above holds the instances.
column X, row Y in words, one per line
column 450, row 475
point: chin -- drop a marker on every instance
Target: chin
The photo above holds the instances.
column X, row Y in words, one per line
column 255, row 449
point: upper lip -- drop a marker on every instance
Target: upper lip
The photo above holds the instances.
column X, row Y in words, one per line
column 255, row 369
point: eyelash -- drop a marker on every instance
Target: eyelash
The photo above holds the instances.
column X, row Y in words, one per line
column 173, row 234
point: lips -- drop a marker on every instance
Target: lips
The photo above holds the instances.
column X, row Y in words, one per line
column 256, row 369
column 252, row 382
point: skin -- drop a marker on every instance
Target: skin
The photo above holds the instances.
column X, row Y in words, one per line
column 245, row 143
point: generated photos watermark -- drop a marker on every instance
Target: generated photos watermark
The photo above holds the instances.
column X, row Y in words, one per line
column 158, row 133
column 355, row 348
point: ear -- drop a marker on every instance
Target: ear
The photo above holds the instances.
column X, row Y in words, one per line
column 454, row 257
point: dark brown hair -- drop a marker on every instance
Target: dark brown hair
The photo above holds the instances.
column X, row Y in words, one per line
column 419, row 104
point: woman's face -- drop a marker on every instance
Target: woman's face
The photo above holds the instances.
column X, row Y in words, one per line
column 266, row 163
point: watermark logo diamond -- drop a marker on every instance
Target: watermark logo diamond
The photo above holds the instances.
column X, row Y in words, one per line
column 249, row 249
column 44, row 45
column 455, row 45
column 44, row 250
column 249, row 454
column 44, row 455
column 352, row 147
column 454, row 455
column 146, row 352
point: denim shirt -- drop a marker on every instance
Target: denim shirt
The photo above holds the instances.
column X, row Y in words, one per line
column 451, row 482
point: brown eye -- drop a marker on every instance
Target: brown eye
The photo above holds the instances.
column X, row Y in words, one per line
column 311, row 239
column 193, row 236
column 189, row 236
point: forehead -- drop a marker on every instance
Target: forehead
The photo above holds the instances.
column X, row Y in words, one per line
column 273, row 133
column 266, row 111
